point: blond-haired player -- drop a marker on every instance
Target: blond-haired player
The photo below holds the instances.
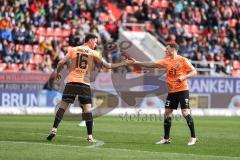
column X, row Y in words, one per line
column 178, row 69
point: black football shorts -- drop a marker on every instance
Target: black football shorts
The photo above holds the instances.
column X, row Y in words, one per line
column 73, row 89
column 173, row 100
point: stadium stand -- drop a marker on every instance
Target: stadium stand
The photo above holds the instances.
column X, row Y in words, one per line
column 35, row 34
column 204, row 33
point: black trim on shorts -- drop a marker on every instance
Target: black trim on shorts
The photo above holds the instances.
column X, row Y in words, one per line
column 73, row 89
column 173, row 100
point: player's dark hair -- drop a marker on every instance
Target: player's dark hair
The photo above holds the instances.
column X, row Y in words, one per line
column 173, row 45
column 90, row 36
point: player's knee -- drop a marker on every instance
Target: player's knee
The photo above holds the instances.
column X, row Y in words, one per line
column 87, row 116
column 63, row 105
column 168, row 112
column 185, row 112
column 87, row 108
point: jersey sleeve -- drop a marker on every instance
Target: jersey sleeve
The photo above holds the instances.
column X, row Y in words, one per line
column 70, row 54
column 97, row 55
column 161, row 62
column 187, row 65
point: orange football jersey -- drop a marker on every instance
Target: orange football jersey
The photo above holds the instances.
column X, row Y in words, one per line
column 176, row 67
column 82, row 63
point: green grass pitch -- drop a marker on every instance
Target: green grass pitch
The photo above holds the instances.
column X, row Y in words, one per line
column 23, row 138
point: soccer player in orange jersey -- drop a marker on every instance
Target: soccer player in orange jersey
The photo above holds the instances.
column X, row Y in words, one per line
column 82, row 59
column 178, row 69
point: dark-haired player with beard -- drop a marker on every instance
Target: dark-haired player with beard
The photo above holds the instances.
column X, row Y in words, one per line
column 82, row 59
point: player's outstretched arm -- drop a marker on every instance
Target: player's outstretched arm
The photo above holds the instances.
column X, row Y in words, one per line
column 113, row 65
column 148, row 64
column 61, row 64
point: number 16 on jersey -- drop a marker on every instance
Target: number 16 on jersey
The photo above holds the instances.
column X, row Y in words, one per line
column 82, row 61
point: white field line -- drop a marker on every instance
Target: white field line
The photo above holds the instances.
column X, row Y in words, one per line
column 38, row 143
column 97, row 144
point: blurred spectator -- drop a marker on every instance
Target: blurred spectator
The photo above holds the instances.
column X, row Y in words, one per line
column 204, row 29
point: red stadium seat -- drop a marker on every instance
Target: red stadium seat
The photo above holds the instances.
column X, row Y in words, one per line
column 28, row 48
column 49, row 32
column 58, row 32
column 37, row 59
column 20, row 65
column 187, row 28
column 36, row 49
column 66, row 32
column 2, row 66
column 41, row 38
column 13, row 67
column 156, row 4
column 42, row 31
column 30, row 67
column 60, row 39
column 232, row 22
column 49, row 39
column 163, row 3
column 194, row 29
column 196, row 35
column 20, row 47
column 36, row 36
